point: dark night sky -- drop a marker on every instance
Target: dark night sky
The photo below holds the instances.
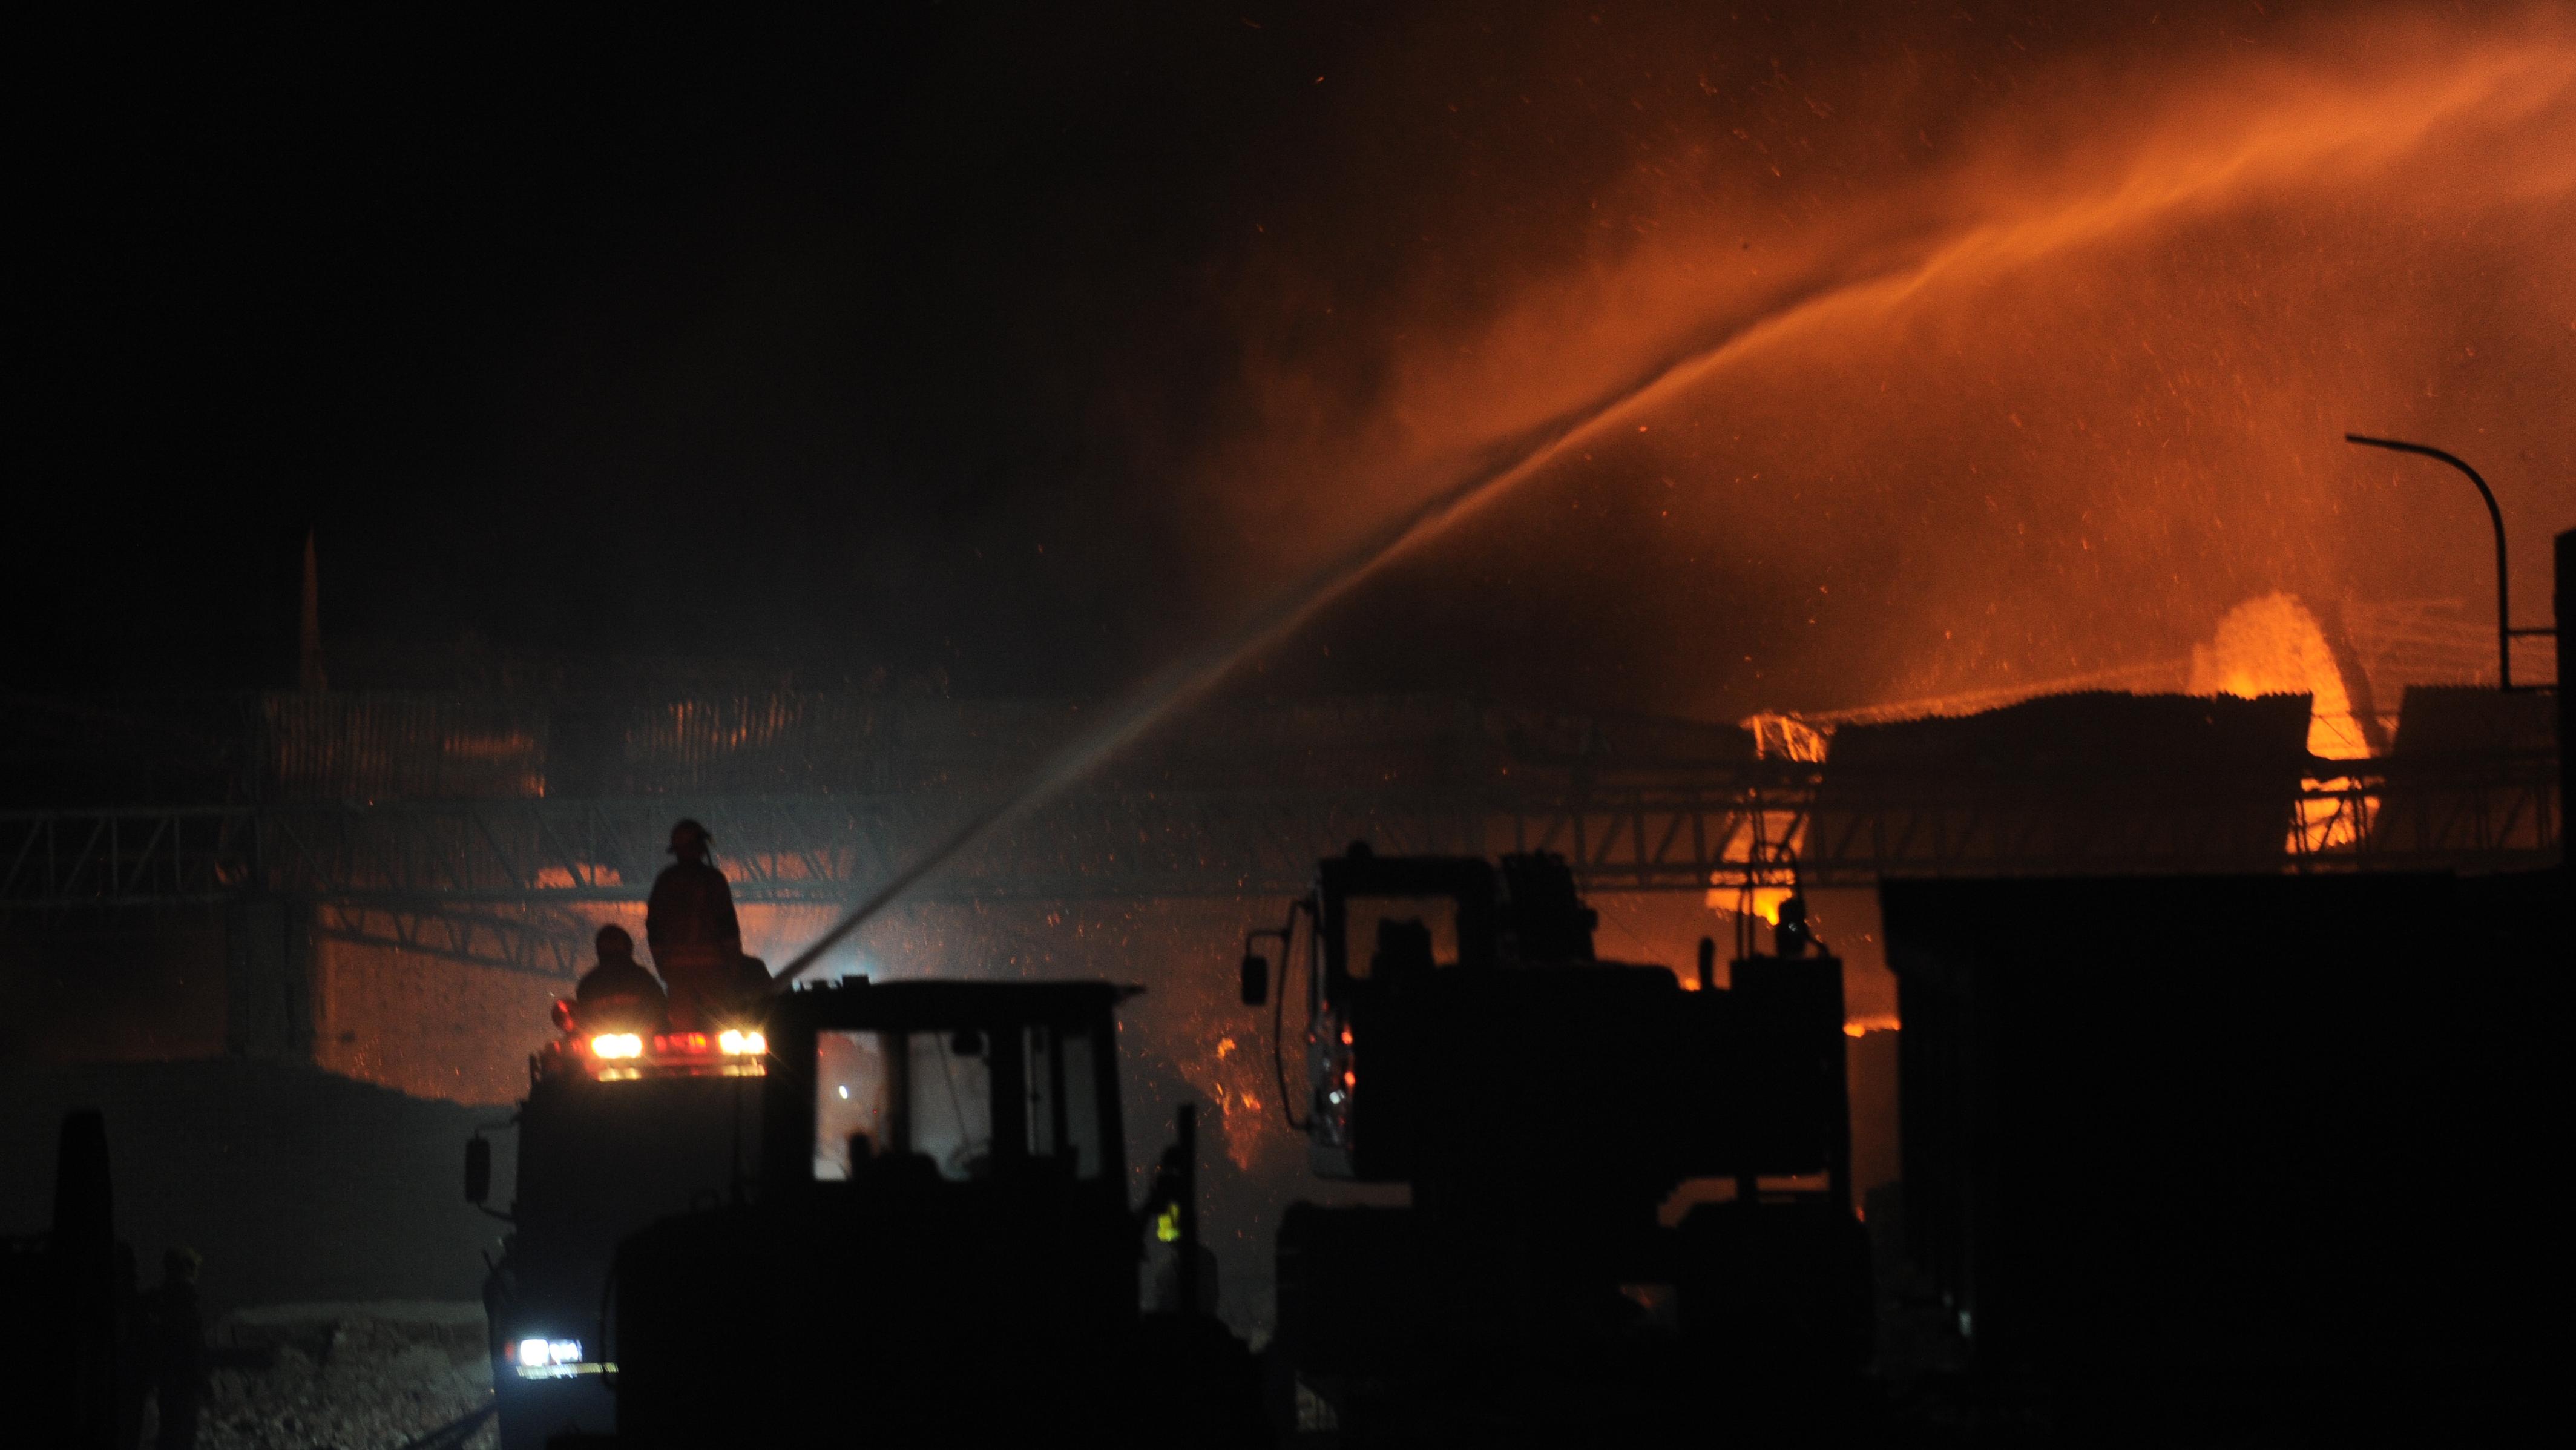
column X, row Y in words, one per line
column 617, row 341
column 940, row 336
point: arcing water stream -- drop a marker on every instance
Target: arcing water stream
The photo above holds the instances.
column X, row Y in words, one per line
column 2294, row 137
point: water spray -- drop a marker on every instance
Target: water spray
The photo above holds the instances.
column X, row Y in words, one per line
column 2005, row 245
column 1194, row 674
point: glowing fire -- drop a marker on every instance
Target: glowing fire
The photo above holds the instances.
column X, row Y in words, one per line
column 2030, row 397
column 1765, row 902
column 2273, row 646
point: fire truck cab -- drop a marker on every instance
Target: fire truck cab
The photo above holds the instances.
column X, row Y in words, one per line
column 618, row 1129
column 939, row 1248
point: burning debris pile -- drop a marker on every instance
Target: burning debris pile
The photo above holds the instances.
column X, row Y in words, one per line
column 344, row 1376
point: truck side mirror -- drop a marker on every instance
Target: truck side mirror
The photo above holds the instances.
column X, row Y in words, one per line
column 1256, row 979
column 478, row 1169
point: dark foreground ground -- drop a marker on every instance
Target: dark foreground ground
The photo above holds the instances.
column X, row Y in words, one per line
column 343, row 1272
column 297, row 1186
column 374, row 1376
column 343, row 1269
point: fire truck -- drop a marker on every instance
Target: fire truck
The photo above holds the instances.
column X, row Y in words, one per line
column 619, row 1128
column 891, row 1209
column 939, row 1247
column 1630, row 1198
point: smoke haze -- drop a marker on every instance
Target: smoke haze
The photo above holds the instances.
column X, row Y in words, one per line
column 2048, row 402
column 1024, row 350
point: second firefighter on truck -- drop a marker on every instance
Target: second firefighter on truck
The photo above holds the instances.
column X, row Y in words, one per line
column 697, row 945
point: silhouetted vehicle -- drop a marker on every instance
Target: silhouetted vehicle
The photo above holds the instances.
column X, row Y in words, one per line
column 1547, row 1110
column 938, row 1248
column 619, row 1128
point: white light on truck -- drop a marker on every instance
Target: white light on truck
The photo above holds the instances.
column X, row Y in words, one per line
column 743, row 1044
column 617, row 1044
column 553, row 1359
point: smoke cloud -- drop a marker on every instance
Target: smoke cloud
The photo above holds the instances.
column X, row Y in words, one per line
column 1917, row 379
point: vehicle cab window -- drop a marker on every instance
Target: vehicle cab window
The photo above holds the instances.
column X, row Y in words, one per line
column 941, row 1095
column 1383, row 934
column 1062, row 1073
column 929, row 1093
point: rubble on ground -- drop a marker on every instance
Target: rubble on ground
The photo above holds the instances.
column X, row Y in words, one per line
column 344, row 1376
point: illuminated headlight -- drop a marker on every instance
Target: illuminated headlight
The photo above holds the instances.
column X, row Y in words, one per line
column 743, row 1044
column 549, row 1358
column 617, row 1044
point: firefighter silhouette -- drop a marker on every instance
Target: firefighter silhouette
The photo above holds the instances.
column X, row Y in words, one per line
column 619, row 993
column 696, row 939
column 177, row 1349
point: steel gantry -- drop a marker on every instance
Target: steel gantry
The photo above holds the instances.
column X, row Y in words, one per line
column 1671, row 831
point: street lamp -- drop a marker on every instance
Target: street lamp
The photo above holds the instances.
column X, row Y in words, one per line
column 2505, row 631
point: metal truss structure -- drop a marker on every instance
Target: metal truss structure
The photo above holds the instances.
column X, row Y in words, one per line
column 492, row 832
column 544, row 941
column 501, row 884
column 1675, row 831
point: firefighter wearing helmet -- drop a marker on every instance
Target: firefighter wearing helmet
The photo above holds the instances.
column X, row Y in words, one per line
column 696, row 939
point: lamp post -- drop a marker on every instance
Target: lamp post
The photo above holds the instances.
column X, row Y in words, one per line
column 2505, row 631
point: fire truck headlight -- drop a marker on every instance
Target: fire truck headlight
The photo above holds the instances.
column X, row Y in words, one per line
column 540, row 1353
column 550, row 1359
column 743, row 1044
column 617, row 1044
